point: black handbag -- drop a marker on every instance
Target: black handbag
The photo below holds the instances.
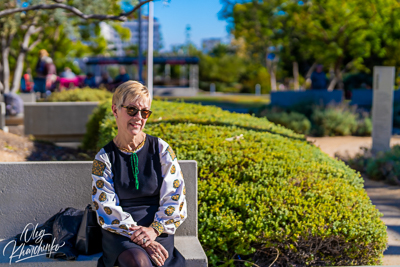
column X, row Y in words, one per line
column 88, row 240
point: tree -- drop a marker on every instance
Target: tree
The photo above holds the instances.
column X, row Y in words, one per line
column 341, row 33
column 22, row 27
column 338, row 33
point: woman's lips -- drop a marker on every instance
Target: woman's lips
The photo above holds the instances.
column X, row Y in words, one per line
column 135, row 125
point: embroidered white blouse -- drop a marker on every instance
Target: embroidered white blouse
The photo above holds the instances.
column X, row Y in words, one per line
column 172, row 211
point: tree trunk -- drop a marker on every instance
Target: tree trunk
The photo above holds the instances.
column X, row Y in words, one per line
column 308, row 75
column 270, row 67
column 6, row 67
column 18, row 72
column 310, row 71
column 1, row 77
column 339, row 75
column 296, row 76
column 337, row 80
column 21, row 57
column 332, row 84
column 20, row 60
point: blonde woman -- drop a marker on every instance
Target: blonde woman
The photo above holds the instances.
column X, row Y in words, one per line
column 138, row 188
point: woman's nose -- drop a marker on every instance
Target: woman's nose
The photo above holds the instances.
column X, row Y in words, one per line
column 138, row 115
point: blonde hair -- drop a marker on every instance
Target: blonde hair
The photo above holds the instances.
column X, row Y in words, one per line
column 43, row 53
column 131, row 89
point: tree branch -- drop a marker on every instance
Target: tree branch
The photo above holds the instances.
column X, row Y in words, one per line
column 120, row 17
column 11, row 53
column 136, row 8
column 35, row 43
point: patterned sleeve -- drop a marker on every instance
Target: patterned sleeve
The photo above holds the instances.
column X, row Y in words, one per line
column 109, row 214
column 172, row 211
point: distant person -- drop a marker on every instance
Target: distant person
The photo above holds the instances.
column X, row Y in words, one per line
column 122, row 77
column 67, row 73
column 46, row 73
column 318, row 79
column 27, row 82
column 105, row 80
column 14, row 104
column 90, row 80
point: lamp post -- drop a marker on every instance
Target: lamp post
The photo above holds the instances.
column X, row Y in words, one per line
column 150, row 49
column 140, row 59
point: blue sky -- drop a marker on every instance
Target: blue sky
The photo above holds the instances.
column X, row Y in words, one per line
column 201, row 15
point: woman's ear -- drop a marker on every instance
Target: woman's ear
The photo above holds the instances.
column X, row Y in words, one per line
column 114, row 110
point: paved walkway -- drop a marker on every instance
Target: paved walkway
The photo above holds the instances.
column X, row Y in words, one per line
column 385, row 197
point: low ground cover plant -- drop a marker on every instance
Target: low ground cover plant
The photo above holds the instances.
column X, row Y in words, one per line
column 265, row 194
column 318, row 120
column 384, row 166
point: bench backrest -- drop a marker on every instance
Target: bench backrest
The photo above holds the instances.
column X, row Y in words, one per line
column 57, row 121
column 31, row 192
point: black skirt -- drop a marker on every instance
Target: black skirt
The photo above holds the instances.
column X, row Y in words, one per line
column 114, row 245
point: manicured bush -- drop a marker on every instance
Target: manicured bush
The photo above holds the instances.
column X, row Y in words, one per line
column 80, row 95
column 292, row 120
column 267, row 194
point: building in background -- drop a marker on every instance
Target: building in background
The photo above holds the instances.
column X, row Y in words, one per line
column 119, row 46
column 209, row 44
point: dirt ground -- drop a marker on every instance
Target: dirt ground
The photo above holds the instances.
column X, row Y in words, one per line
column 17, row 148
column 346, row 145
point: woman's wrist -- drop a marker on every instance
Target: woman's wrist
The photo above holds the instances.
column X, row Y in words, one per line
column 158, row 227
column 155, row 231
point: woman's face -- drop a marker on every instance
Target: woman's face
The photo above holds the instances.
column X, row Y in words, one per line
column 128, row 125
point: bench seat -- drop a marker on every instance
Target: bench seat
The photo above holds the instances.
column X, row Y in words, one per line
column 34, row 191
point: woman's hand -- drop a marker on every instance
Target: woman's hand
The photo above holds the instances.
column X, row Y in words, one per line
column 141, row 233
column 156, row 252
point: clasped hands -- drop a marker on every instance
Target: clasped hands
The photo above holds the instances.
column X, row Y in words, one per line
column 156, row 251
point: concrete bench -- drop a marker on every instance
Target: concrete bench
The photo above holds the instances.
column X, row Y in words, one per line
column 57, row 121
column 31, row 192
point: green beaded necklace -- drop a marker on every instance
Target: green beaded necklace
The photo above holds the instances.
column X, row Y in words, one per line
column 135, row 161
column 135, row 169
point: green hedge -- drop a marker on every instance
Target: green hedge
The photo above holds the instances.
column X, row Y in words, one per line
column 79, row 95
column 267, row 192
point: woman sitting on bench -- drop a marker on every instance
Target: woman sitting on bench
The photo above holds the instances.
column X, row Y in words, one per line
column 138, row 188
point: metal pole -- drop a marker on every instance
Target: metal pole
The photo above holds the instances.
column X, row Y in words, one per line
column 258, row 89
column 150, row 49
column 140, row 59
column 212, row 89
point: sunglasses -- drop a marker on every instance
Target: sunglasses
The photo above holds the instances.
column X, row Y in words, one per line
column 132, row 111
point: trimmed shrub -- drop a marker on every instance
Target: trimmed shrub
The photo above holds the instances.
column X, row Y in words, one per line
column 265, row 193
column 91, row 138
column 80, row 95
column 293, row 120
